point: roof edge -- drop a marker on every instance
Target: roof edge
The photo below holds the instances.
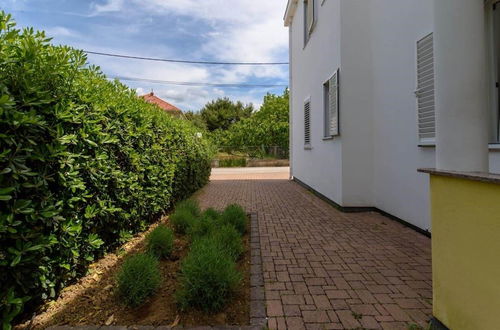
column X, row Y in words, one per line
column 291, row 7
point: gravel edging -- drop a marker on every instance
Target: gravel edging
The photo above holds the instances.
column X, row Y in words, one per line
column 258, row 316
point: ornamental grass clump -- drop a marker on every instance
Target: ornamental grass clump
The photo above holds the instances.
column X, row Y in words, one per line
column 208, row 277
column 182, row 220
column 138, row 278
column 235, row 216
column 212, row 214
column 189, row 205
column 160, row 242
column 228, row 239
column 204, row 226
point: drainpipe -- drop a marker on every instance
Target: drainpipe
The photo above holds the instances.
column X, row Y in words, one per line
column 461, row 86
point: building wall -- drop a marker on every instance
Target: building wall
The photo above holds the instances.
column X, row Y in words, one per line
column 398, row 188
column 320, row 167
column 374, row 162
column 465, row 249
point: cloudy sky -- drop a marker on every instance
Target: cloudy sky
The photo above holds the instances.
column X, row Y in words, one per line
column 200, row 30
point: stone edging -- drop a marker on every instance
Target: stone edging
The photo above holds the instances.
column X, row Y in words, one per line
column 258, row 317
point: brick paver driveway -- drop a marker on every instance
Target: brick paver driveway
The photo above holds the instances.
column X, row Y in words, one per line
column 324, row 269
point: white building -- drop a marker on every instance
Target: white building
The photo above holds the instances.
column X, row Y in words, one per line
column 368, row 79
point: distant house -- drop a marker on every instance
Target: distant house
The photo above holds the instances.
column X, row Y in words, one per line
column 171, row 109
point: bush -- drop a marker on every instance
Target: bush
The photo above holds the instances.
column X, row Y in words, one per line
column 208, row 277
column 228, row 239
column 233, row 162
column 202, row 227
column 189, row 205
column 235, row 216
column 139, row 277
column 182, row 220
column 84, row 164
column 160, row 242
column 212, row 214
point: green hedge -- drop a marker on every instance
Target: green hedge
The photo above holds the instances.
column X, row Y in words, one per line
column 84, row 164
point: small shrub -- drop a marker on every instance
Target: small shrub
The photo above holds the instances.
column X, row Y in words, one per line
column 138, row 278
column 235, row 216
column 208, row 277
column 233, row 162
column 212, row 214
column 204, row 226
column 228, row 239
column 189, row 205
column 160, row 242
column 182, row 219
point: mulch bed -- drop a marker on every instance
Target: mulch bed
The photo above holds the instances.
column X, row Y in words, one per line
column 93, row 300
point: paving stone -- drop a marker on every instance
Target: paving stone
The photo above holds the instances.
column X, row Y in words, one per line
column 334, row 260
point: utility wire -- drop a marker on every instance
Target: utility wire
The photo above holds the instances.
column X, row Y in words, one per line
column 183, row 61
column 186, row 83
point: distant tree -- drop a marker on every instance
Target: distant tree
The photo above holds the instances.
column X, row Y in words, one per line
column 196, row 119
column 222, row 113
column 266, row 127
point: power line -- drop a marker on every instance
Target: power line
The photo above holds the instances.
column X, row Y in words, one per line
column 183, row 61
column 188, row 83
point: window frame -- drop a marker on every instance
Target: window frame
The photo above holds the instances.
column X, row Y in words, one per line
column 327, row 119
column 308, row 28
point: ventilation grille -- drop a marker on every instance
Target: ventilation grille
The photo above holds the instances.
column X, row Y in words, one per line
column 307, row 123
column 425, row 89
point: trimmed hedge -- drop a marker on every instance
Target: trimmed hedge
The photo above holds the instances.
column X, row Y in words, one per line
column 84, row 164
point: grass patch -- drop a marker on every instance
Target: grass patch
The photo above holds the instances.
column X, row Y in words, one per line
column 208, row 277
column 160, row 242
column 138, row 278
column 235, row 216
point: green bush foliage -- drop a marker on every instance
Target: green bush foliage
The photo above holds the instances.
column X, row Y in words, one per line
column 202, row 227
column 211, row 213
column 160, row 242
column 269, row 126
column 233, row 162
column 138, row 278
column 189, row 205
column 208, row 277
column 84, row 164
column 228, row 239
column 235, row 216
column 182, row 220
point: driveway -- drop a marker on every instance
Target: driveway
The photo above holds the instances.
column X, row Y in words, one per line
column 324, row 269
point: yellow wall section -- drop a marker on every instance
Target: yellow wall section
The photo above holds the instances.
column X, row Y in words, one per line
column 466, row 253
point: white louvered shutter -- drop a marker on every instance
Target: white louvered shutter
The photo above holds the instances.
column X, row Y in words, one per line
column 307, row 122
column 425, row 89
column 333, row 104
column 310, row 15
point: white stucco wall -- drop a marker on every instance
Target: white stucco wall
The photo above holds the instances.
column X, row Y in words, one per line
column 398, row 188
column 375, row 160
column 320, row 167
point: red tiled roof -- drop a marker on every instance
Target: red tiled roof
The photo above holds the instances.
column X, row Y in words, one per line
column 151, row 98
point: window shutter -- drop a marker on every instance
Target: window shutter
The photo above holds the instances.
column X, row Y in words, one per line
column 425, row 89
column 310, row 15
column 333, row 104
column 307, row 122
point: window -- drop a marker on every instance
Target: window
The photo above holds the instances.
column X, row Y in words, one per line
column 425, row 90
column 309, row 19
column 307, row 123
column 331, row 106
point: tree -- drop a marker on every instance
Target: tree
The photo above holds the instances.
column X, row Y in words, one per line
column 196, row 119
column 222, row 113
column 267, row 127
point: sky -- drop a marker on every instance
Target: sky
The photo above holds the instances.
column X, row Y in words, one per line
column 199, row 30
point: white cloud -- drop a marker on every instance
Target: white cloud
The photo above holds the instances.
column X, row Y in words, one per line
column 239, row 31
column 61, row 31
column 109, row 6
